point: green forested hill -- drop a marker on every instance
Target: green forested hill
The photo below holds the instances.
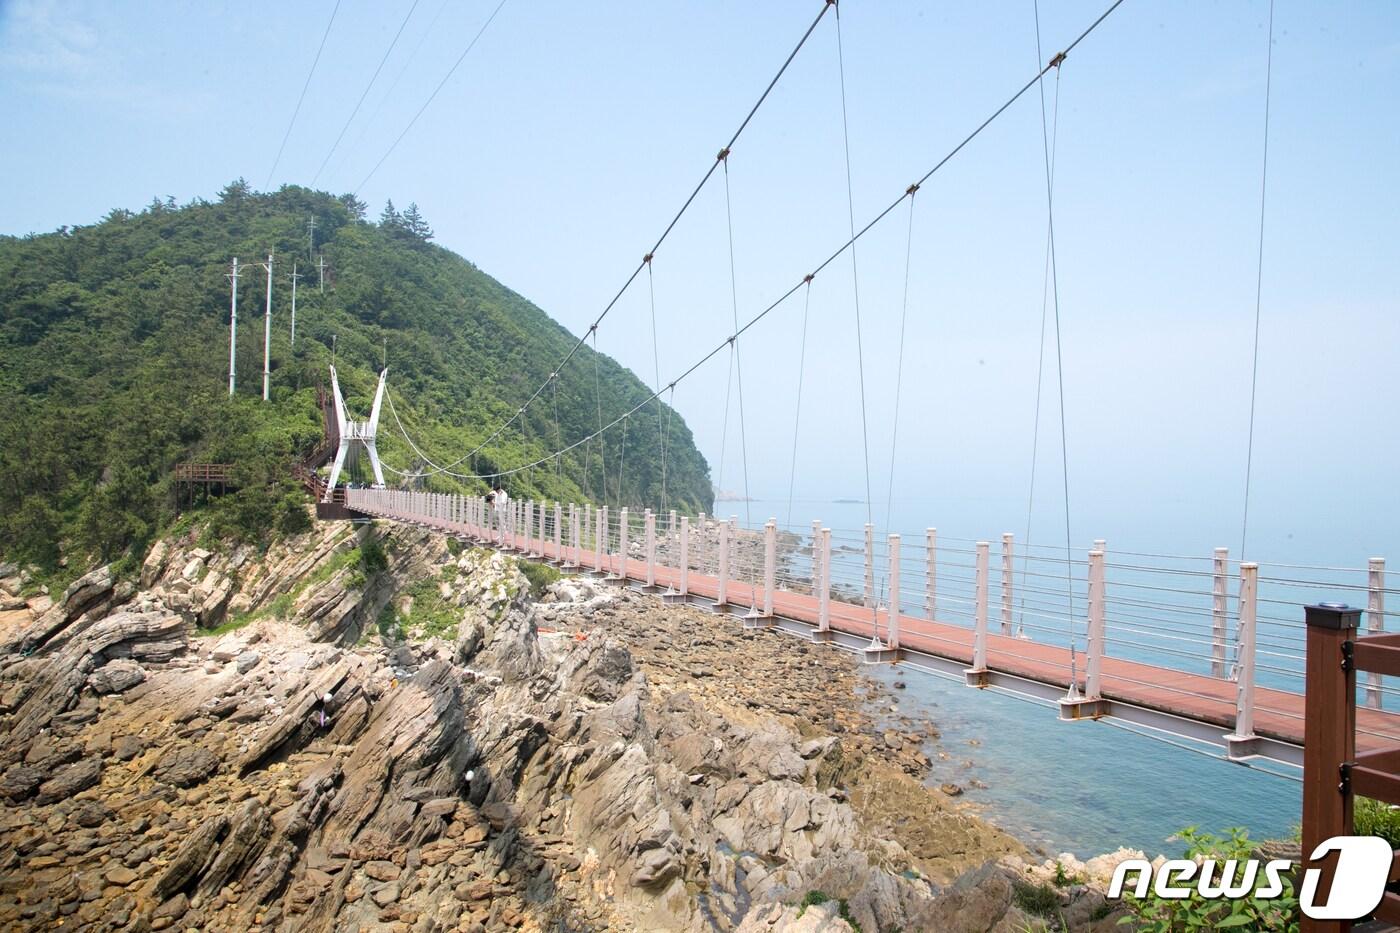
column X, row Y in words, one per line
column 114, row 367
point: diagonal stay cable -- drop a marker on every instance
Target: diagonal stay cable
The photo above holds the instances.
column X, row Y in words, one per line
column 578, row 345
column 836, row 254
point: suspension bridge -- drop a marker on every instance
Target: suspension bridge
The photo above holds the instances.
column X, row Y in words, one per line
column 1207, row 651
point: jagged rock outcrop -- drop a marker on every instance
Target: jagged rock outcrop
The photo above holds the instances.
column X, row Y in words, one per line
column 288, row 776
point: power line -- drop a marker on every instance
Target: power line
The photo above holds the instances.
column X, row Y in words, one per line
column 302, row 97
column 374, row 77
column 445, row 78
column 646, row 259
column 805, row 279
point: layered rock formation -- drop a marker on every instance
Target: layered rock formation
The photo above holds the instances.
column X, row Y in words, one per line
column 499, row 778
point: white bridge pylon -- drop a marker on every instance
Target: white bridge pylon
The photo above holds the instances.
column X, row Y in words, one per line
column 355, row 432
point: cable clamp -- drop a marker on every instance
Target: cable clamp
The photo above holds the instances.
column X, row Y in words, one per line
column 912, row 189
column 1348, row 655
column 646, row 260
column 723, row 155
column 593, row 329
column 809, row 277
column 1344, row 777
column 1057, row 61
column 732, row 339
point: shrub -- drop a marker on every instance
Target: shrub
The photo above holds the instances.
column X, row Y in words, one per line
column 541, row 577
column 1161, row 915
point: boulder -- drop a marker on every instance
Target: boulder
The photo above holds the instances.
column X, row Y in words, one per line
column 116, row 676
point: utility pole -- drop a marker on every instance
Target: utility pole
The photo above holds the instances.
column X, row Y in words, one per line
column 321, row 264
column 232, row 326
column 310, row 237
column 294, row 276
column 267, row 333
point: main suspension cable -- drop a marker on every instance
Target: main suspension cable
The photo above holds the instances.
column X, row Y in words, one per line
column 836, row 254
column 660, row 240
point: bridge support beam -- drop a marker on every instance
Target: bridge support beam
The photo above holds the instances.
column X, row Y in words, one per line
column 977, row 673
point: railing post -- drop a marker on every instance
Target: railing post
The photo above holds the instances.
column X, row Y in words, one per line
column 1243, row 741
column 723, row 597
column 893, row 624
column 869, row 565
column 977, row 674
column 1094, row 642
column 529, row 544
column 1220, row 612
column 701, row 530
column 770, row 564
column 620, row 572
column 601, row 530
column 559, row 531
column 575, row 537
column 1101, row 546
column 1329, row 732
column 824, row 583
column 1375, row 623
column 1006, row 596
column 816, row 555
column 649, row 525
column 931, row 573
column 685, row 556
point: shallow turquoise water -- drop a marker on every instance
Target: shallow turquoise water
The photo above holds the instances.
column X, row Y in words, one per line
column 1085, row 787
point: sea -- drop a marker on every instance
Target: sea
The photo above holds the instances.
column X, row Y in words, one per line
column 1088, row 788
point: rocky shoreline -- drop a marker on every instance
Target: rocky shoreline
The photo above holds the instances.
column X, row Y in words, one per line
column 584, row 758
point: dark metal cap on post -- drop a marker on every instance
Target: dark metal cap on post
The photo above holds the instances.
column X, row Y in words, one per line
column 1332, row 616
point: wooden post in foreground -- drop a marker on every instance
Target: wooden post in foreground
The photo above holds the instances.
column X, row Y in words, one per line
column 1329, row 732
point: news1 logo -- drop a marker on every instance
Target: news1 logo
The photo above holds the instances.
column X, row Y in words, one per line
column 1358, row 878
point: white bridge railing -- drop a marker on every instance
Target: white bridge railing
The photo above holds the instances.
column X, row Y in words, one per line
column 1196, row 634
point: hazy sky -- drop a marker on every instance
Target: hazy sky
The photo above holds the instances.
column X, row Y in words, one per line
column 568, row 137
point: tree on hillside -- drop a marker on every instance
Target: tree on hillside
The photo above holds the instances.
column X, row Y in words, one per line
column 235, row 191
column 354, row 205
column 389, row 218
column 414, row 224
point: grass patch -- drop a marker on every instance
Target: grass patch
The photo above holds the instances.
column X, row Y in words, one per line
column 1040, row 900
column 231, row 624
column 813, row 898
column 541, row 576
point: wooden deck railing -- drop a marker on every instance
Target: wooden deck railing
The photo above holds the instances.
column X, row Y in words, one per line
column 1334, row 773
column 204, row 473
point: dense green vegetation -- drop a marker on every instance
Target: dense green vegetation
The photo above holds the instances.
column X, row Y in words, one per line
column 1163, row 915
column 114, row 367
